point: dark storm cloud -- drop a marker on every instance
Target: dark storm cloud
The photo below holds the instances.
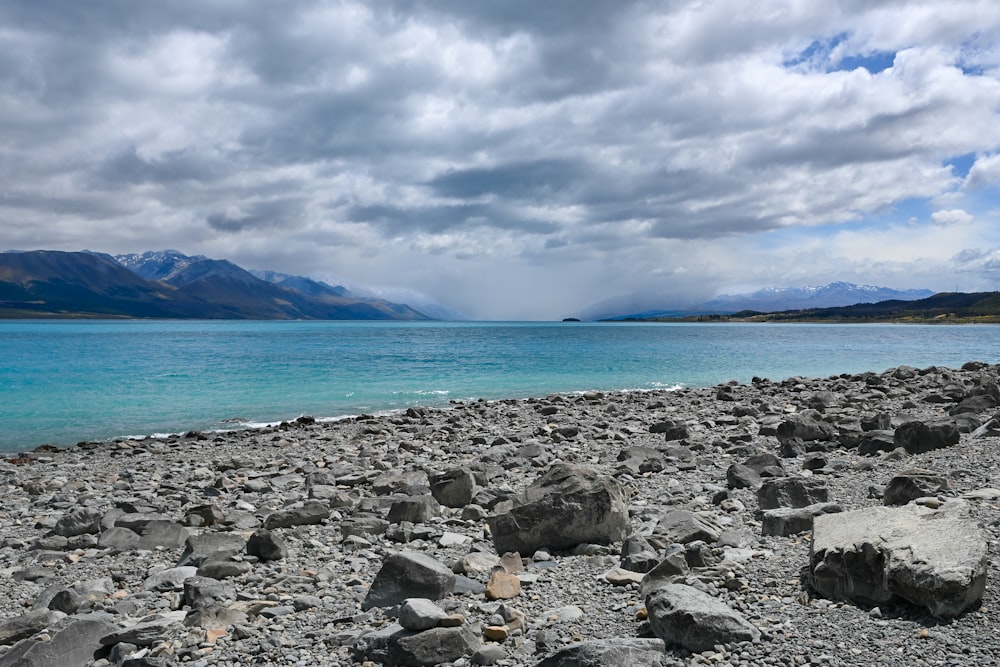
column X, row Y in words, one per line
column 518, row 180
column 275, row 213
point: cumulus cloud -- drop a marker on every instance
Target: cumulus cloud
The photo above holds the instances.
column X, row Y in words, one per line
column 955, row 216
column 516, row 159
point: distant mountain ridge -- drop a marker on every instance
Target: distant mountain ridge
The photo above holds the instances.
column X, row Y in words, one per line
column 774, row 299
column 169, row 284
column 824, row 296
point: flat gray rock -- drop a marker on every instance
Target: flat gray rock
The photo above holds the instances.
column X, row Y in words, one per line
column 567, row 506
column 931, row 558
column 617, row 652
column 791, row 492
column 395, row 646
column 21, row 627
column 681, row 615
column 409, row 574
column 73, row 645
column 791, row 520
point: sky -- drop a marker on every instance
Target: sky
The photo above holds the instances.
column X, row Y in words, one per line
column 517, row 159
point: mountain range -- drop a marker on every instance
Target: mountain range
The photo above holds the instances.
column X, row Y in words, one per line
column 774, row 299
column 169, row 284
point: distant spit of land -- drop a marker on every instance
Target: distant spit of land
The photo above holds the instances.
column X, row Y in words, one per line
column 942, row 308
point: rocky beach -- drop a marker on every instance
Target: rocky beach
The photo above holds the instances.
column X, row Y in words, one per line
column 848, row 520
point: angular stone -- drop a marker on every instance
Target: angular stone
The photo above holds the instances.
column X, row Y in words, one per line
column 395, row 646
column 21, row 627
column 638, row 555
column 475, row 563
column 216, row 568
column 740, row 476
column 876, row 441
column 211, row 546
column 785, row 521
column 565, row 507
column 420, row 614
column 171, row 579
column 76, row 644
column 683, row 526
column 912, row 484
column 931, row 558
column 145, row 633
column 454, row 488
column 215, row 618
column 159, row 533
column 683, row 615
column 806, row 429
column 917, row 437
column 310, row 512
column 673, row 565
column 79, row 522
column 415, row 509
column 671, row 429
column 616, row 652
column 408, row 574
column 266, row 546
column 791, row 492
column 202, row 592
column 641, row 459
column 502, row 585
column 118, row 538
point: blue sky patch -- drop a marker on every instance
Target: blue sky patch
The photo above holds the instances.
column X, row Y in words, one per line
column 961, row 164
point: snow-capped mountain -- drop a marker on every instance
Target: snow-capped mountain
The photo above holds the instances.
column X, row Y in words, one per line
column 773, row 299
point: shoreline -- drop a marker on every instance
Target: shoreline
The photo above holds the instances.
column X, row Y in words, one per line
column 93, row 532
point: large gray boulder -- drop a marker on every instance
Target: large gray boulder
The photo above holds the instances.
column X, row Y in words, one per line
column 785, row 521
column 683, row 526
column 567, row 506
column 409, row 574
column 917, row 437
column 682, row 615
column 912, row 484
column 72, row 645
column 616, row 652
column 805, row 428
column 931, row 558
column 791, row 492
column 395, row 646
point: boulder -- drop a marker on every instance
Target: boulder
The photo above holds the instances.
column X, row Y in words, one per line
column 73, row 645
column 791, row 492
column 638, row 555
column 931, row 558
column 265, row 545
column 415, row 509
column 917, row 437
column 409, row 574
column 420, row 614
column 454, row 488
column 78, row 522
column 309, row 512
column 211, row 546
column 567, row 506
column 912, row 484
column 616, row 652
column 21, row 627
column 671, row 429
column 684, row 616
column 785, row 521
column 395, row 646
column 683, row 526
column 806, row 429
column 876, row 441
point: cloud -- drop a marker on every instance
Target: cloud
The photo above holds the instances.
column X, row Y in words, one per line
column 544, row 156
column 955, row 216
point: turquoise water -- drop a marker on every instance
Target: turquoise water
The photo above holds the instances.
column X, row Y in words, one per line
column 67, row 381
